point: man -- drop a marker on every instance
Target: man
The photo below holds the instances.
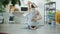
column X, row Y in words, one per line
column 33, row 16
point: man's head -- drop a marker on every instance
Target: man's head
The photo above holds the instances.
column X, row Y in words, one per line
column 33, row 5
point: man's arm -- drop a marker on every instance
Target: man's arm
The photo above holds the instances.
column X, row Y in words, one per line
column 29, row 2
column 38, row 15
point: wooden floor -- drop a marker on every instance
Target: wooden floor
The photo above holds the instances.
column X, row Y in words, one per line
column 21, row 29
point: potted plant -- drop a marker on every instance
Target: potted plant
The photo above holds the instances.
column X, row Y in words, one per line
column 3, row 4
column 15, row 1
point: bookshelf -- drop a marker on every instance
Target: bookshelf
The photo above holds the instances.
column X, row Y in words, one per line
column 49, row 12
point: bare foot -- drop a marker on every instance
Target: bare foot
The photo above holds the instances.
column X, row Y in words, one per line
column 33, row 28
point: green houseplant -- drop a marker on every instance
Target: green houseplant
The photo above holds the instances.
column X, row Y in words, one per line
column 3, row 4
column 15, row 1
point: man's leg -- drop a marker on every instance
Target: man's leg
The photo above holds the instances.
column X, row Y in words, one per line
column 28, row 27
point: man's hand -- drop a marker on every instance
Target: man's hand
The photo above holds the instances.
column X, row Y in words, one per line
column 33, row 19
column 39, row 17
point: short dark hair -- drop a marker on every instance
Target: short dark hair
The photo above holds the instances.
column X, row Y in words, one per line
column 32, row 6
